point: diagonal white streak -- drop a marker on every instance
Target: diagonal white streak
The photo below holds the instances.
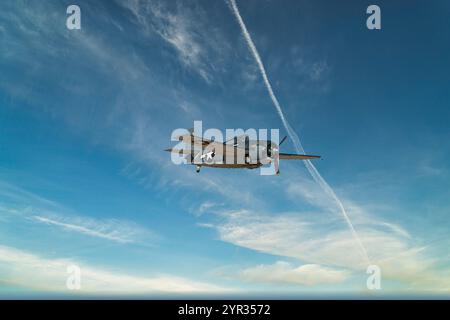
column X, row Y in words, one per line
column 294, row 137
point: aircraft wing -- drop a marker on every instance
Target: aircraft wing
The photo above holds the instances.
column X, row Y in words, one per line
column 288, row 156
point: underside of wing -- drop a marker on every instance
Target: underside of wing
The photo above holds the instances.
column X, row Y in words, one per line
column 208, row 146
column 288, row 156
column 189, row 155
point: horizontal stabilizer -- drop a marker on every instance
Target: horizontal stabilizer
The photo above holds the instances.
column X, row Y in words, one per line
column 288, row 156
column 180, row 151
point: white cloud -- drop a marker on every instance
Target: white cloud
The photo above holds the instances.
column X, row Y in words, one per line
column 310, row 192
column 175, row 29
column 186, row 29
column 18, row 203
column 309, row 239
column 110, row 229
column 206, row 207
column 317, row 238
column 28, row 270
column 284, row 273
column 18, row 195
column 35, row 34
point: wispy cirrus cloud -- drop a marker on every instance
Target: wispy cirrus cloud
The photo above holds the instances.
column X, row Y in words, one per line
column 108, row 229
column 315, row 236
column 33, row 271
column 186, row 29
column 282, row 272
column 25, row 25
column 176, row 29
column 18, row 203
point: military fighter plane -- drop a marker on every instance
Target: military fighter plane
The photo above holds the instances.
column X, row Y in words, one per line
column 238, row 152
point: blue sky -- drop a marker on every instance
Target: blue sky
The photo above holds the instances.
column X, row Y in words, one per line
column 85, row 115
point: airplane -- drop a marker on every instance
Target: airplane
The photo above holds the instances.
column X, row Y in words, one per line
column 238, row 152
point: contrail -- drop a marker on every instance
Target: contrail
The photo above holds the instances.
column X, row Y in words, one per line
column 294, row 137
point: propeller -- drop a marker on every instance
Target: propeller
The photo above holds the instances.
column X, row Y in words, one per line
column 271, row 149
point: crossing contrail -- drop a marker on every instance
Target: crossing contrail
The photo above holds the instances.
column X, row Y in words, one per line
column 293, row 136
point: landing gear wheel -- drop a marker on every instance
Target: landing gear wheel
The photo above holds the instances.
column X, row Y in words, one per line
column 197, row 169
